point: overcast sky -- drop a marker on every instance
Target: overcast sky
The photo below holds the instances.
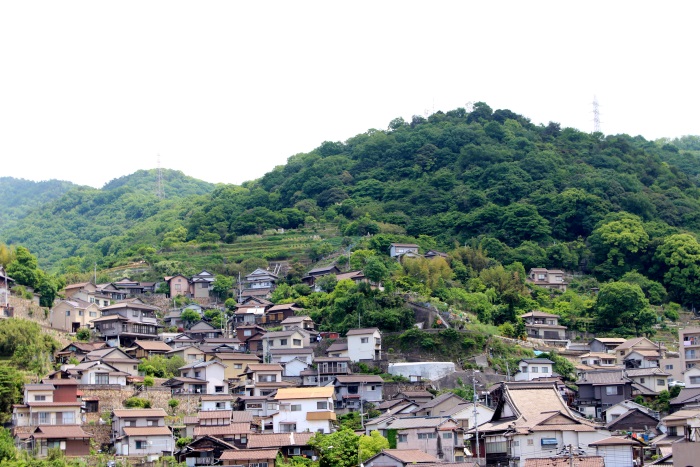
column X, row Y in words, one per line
column 226, row 90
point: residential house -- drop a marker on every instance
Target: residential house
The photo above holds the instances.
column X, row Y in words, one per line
column 220, row 424
column 606, row 344
column 141, row 432
column 250, row 457
column 400, row 249
column 110, row 291
column 115, row 357
column 259, row 283
column 338, row 349
column 312, row 276
column 634, row 421
column 201, row 284
column 290, row 444
column 468, row 415
column 131, row 287
column 439, row 405
column 598, row 360
column 654, row 378
column 41, row 409
column 327, row 368
column 432, row 254
column 87, row 292
column 203, row 330
column 688, row 397
column 189, row 353
column 181, row 340
column 146, row 349
column 616, row 411
column 216, row 402
column 70, row 439
column 298, row 322
column 205, row 450
column 71, row 315
column 396, row 407
column 637, row 344
column 552, row 279
column 691, row 377
column 304, row 409
column 248, row 312
column 5, row 285
column 534, row 368
column 294, row 339
column 246, row 332
column 531, row 420
column 77, row 350
column 673, row 366
column 618, row 450
column 441, row 437
column 358, row 277
column 97, row 372
column 419, row 397
column 364, row 344
column 642, row 359
column 401, row 458
column 260, row 407
column 689, row 340
column 178, row 285
column 263, row 379
column 353, row 391
column 122, row 323
column 200, row 377
column 275, row 315
column 545, row 326
column 235, row 363
column 600, row 389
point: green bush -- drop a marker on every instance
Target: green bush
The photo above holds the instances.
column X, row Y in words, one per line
column 137, row 403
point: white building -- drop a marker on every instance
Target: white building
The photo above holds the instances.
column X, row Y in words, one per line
column 364, row 344
column 304, row 409
column 533, row 368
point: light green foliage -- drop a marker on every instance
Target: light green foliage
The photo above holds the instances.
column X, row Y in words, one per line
column 161, row 367
column 182, row 442
column 680, row 254
column 654, row 291
column 11, row 385
column 617, row 244
column 28, row 346
column 148, row 381
column 562, row 366
column 137, row 402
column 222, row 285
column 189, row 317
column 372, row 445
column 339, row 449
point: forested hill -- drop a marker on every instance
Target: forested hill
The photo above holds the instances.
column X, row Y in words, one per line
column 20, row 196
column 88, row 223
column 540, row 195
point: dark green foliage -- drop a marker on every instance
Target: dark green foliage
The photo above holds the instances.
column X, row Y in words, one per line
column 137, row 402
column 83, row 334
column 11, row 385
column 622, row 309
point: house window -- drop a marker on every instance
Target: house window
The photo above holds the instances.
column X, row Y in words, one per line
column 140, row 444
column 447, row 436
column 238, row 366
column 129, row 422
column 668, row 367
column 672, row 431
column 267, row 378
column 197, row 374
column 218, row 389
column 247, row 332
column 296, row 342
column 695, row 380
column 134, row 313
column 288, row 427
column 151, row 422
column 544, row 369
column 259, row 464
column 353, row 389
column 535, row 369
column 321, row 405
column 660, row 382
column 530, row 442
column 295, row 408
column 402, row 439
column 613, row 390
column 68, row 418
column 283, row 341
column 80, row 312
column 220, row 405
column 44, row 418
column 364, row 340
column 67, row 312
column 93, row 314
column 177, row 287
column 524, row 369
column 101, row 378
column 641, row 380
column 38, row 398
column 427, row 435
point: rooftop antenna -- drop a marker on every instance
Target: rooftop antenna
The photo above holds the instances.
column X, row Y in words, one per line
column 159, row 186
column 596, row 115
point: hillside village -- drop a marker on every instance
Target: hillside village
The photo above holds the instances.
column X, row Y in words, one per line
column 255, row 385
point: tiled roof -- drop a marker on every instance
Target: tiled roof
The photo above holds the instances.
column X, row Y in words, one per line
column 249, row 454
column 355, row 332
column 60, row 432
column 147, row 431
column 346, row 379
column 417, row 422
column 410, row 456
column 209, row 414
column 153, row 345
column 603, row 377
column 265, row 367
column 232, row 429
column 241, row 416
column 337, row 347
column 686, row 395
column 615, row 441
column 439, row 399
column 128, row 413
column 264, row 440
column 539, row 314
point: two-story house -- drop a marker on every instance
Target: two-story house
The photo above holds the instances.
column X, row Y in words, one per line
column 146, row 349
column 236, row 363
column 327, row 368
column 534, row 368
column 178, row 285
column 545, row 326
column 115, row 357
column 600, row 389
column 298, row 322
column 189, row 353
column 304, row 409
column 364, row 344
column 259, row 283
column 77, row 350
column 312, row 276
column 72, row 314
column 401, row 249
column 552, row 279
column 123, row 323
column 352, row 392
column 40, row 408
column 263, row 379
column 141, row 432
column 201, row 284
column 70, row 439
column 441, row 437
column 215, row 402
column 97, row 372
column 203, row 330
column 294, row 339
column 653, row 378
column 201, row 377
column 638, row 344
column 221, row 424
column 606, row 344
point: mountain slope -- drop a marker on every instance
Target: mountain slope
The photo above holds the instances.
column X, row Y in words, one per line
column 20, row 196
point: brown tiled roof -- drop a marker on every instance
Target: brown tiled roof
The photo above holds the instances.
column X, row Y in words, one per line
column 410, row 456
column 210, row 414
column 354, row 332
column 153, row 345
column 304, row 393
column 249, row 454
column 60, row 432
column 241, row 416
column 337, row 346
column 147, row 431
column 265, row 367
column 345, row 379
column 128, row 413
column 232, row 429
column 616, row 441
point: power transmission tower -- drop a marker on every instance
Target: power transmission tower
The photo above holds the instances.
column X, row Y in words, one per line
column 159, row 187
column 596, row 115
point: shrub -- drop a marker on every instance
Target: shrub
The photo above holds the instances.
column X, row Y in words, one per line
column 137, row 403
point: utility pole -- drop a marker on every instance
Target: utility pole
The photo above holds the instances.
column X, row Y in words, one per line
column 476, row 422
